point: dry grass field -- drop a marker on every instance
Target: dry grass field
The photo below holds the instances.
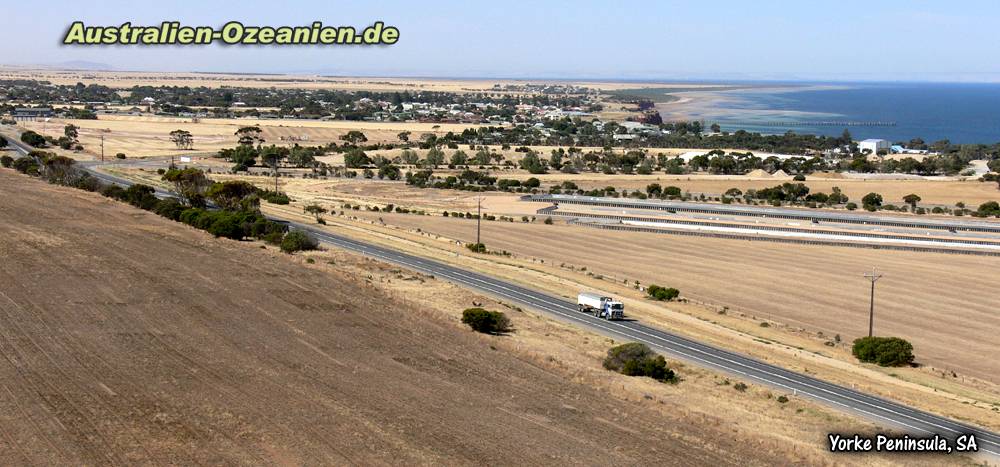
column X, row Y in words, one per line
column 150, row 136
column 137, row 340
column 945, row 305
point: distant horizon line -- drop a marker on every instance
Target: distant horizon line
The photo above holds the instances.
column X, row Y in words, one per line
column 875, row 78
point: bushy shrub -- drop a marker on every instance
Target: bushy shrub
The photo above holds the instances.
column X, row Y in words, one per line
column 6, row 161
column 298, row 240
column 26, row 165
column 169, row 208
column 663, row 294
column 884, row 351
column 274, row 197
column 113, row 191
column 484, row 321
column 637, row 359
column 476, row 247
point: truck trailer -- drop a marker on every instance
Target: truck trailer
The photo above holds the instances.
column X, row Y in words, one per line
column 600, row 306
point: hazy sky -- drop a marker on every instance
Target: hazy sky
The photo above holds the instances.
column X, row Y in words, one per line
column 719, row 39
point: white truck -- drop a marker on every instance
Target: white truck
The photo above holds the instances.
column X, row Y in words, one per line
column 600, row 306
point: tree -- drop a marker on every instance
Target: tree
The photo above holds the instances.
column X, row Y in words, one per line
column 354, row 137
column 459, row 158
column 356, row 158
column 435, row 157
column 71, row 131
column 532, row 163
column 404, row 136
column 912, row 200
column 637, row 359
column 716, row 128
column 182, row 138
column 33, row 139
column 191, row 183
column 663, row 294
column 234, row 195
column 315, row 210
column 486, row 322
column 654, row 190
column 250, row 135
column 884, row 351
column 872, row 201
column 298, row 240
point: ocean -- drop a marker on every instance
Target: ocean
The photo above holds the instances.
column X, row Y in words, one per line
column 961, row 113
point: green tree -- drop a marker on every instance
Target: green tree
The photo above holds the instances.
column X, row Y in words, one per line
column 191, row 183
column 234, row 195
column 33, row 139
column 354, row 137
column 871, row 201
column 884, row 351
column 356, row 158
column 298, row 240
column 662, row 293
column 435, row 157
column 249, row 135
column 71, row 131
column 637, row 359
column 487, row 322
column 182, row 139
column 912, row 200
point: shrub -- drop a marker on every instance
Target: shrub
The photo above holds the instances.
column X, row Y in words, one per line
column 476, row 247
column 26, row 165
column 548, row 221
column 274, row 197
column 782, row 399
column 120, row 155
column 741, row 386
column 884, row 351
column 113, row 191
column 298, row 240
column 487, row 322
column 6, row 161
column 169, row 208
column 33, row 139
column 637, row 359
column 663, row 294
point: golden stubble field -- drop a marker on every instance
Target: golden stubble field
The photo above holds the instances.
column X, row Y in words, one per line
column 943, row 303
column 223, row 352
column 139, row 136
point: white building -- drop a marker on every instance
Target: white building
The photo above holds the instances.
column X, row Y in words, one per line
column 873, row 145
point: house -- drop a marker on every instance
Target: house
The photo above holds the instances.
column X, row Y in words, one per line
column 873, row 145
column 32, row 113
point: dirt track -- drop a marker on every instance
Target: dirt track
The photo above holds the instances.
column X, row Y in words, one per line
column 129, row 339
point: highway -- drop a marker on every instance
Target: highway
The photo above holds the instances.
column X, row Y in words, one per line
column 885, row 413
column 772, row 212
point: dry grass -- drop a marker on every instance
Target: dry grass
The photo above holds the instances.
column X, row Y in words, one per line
column 311, row 371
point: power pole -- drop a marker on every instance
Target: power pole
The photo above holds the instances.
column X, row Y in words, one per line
column 275, row 176
column 102, row 147
column 874, row 276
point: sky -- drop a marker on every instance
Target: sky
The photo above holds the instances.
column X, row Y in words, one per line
column 843, row 40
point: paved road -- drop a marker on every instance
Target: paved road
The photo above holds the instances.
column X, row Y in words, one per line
column 772, row 212
column 883, row 412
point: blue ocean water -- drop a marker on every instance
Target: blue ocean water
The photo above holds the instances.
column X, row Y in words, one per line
column 961, row 113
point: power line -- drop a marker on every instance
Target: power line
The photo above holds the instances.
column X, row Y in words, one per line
column 873, row 276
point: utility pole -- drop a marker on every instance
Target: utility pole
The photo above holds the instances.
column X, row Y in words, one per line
column 874, row 276
column 275, row 176
column 102, row 147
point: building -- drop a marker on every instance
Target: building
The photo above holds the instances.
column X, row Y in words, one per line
column 32, row 113
column 874, row 145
